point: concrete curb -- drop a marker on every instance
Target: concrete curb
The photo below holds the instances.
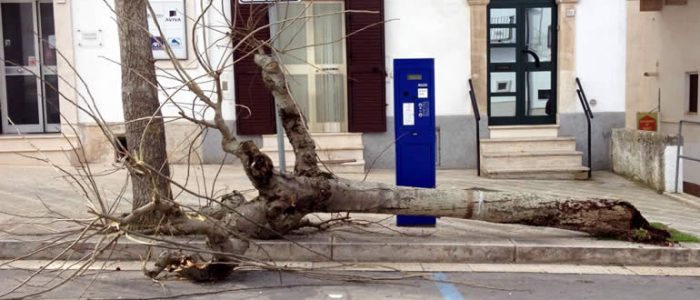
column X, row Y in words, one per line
column 595, row 253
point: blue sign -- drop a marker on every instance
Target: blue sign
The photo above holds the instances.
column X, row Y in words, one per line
column 414, row 129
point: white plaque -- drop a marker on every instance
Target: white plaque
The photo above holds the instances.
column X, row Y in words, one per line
column 173, row 22
column 409, row 118
column 88, row 38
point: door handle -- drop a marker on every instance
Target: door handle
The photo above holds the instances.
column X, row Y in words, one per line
column 327, row 69
column 534, row 55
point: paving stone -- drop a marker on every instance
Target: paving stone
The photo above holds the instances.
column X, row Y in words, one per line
column 454, row 241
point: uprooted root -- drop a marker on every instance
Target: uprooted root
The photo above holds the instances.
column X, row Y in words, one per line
column 190, row 267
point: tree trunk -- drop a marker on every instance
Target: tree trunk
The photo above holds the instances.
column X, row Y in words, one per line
column 288, row 198
column 145, row 132
column 285, row 199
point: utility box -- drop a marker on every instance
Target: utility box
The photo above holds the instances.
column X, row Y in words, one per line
column 414, row 129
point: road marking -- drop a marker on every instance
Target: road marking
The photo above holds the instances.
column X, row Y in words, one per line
column 448, row 290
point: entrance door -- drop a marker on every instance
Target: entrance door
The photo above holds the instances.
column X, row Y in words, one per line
column 311, row 44
column 522, row 45
column 29, row 79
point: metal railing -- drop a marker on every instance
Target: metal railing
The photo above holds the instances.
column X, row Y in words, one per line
column 589, row 115
column 678, row 150
column 477, row 118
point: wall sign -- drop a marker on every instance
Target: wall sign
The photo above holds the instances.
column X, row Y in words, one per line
column 647, row 121
column 86, row 38
column 173, row 22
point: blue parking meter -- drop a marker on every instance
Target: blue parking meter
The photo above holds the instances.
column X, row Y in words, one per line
column 414, row 129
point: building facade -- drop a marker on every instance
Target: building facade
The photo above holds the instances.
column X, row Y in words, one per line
column 662, row 74
column 523, row 58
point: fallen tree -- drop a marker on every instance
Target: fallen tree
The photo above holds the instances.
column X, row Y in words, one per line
column 285, row 199
column 230, row 223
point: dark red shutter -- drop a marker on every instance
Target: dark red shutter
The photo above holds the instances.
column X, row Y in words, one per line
column 259, row 117
column 693, row 95
column 366, row 71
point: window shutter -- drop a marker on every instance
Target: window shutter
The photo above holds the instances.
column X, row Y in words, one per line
column 693, row 94
column 255, row 106
column 365, row 63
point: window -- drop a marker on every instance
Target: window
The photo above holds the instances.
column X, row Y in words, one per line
column 362, row 66
column 693, row 93
column 310, row 42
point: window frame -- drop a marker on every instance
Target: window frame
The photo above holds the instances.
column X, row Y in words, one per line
column 311, row 68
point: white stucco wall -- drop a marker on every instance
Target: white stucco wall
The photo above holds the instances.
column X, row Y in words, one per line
column 600, row 52
column 670, row 158
column 436, row 29
column 98, row 64
column 665, row 42
column 680, row 54
column 102, row 77
column 643, row 51
column 415, row 29
column 420, row 29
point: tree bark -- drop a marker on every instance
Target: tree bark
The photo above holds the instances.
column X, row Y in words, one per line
column 288, row 198
column 284, row 199
column 145, row 132
column 306, row 162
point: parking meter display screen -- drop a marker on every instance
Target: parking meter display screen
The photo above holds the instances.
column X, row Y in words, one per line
column 414, row 77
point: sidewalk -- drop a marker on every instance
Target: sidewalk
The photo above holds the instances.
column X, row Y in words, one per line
column 452, row 241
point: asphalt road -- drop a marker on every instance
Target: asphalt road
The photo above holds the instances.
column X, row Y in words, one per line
column 273, row 285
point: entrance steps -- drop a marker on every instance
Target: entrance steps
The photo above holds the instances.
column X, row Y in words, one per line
column 339, row 152
column 33, row 149
column 530, row 152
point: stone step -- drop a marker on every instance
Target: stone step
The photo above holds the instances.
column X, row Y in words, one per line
column 340, row 152
column 35, row 158
column 337, row 165
column 573, row 173
column 36, row 149
column 32, row 142
column 536, row 144
column 323, row 140
column 357, row 167
column 324, row 155
column 531, row 160
column 497, row 132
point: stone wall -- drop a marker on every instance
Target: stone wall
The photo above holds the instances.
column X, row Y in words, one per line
column 644, row 156
column 182, row 139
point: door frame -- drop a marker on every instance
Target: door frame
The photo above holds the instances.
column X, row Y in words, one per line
column 311, row 69
column 521, row 67
column 38, row 72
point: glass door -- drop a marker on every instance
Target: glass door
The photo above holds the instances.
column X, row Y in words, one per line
column 522, row 62
column 309, row 37
column 30, row 82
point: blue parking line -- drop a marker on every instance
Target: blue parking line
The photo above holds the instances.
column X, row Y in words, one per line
column 448, row 290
